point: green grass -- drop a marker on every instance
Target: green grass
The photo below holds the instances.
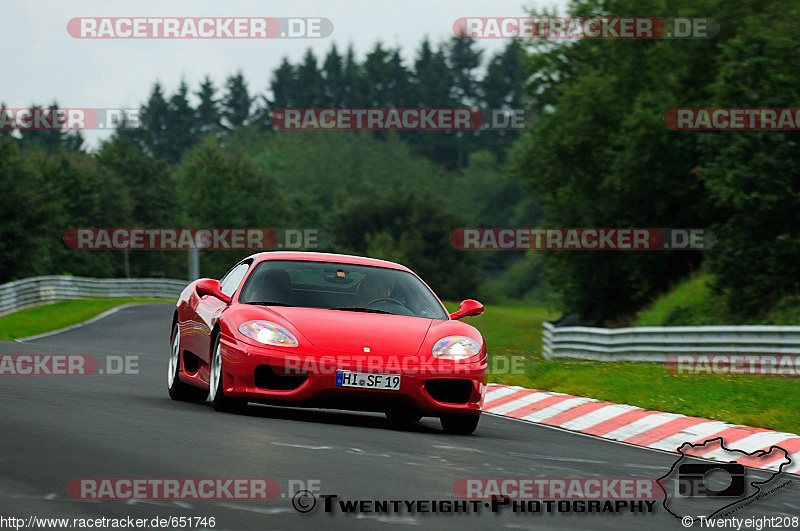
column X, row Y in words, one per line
column 693, row 302
column 762, row 401
column 690, row 302
column 45, row 318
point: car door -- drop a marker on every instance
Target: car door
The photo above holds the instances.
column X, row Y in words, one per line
column 208, row 309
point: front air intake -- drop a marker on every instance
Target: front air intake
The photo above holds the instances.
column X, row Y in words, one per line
column 449, row 390
column 266, row 378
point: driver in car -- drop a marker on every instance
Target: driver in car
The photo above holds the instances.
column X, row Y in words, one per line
column 372, row 288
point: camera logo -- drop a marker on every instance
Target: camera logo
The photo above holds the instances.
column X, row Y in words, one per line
column 696, row 480
column 693, row 488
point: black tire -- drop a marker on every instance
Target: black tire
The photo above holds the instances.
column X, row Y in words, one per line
column 403, row 415
column 460, row 424
column 221, row 402
column 179, row 390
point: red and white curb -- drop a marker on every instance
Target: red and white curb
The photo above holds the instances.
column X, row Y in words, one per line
column 640, row 427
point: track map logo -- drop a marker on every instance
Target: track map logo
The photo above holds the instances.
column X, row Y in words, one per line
column 701, row 492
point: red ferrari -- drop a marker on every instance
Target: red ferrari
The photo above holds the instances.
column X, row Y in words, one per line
column 328, row 331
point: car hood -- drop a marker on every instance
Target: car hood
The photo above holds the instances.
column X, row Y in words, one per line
column 350, row 333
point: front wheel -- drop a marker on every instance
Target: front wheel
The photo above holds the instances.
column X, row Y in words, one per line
column 460, row 424
column 216, row 392
column 178, row 390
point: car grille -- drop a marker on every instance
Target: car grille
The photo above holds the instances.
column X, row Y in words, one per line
column 266, row 378
column 450, row 390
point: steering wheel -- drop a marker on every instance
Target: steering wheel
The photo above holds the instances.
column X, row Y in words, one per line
column 387, row 299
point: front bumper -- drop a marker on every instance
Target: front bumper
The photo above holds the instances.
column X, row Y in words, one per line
column 319, row 389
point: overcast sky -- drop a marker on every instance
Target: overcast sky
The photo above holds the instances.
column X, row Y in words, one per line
column 42, row 62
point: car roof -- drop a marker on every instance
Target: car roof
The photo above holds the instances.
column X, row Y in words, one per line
column 308, row 256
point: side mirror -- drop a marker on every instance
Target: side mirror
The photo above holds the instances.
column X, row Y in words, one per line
column 210, row 286
column 467, row 308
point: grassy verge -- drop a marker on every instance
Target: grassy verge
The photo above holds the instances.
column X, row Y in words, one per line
column 762, row 401
column 692, row 302
column 40, row 319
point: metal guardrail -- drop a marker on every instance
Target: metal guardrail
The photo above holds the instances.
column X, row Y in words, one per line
column 37, row 290
column 656, row 343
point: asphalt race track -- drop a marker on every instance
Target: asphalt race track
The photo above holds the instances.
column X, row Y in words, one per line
column 57, row 428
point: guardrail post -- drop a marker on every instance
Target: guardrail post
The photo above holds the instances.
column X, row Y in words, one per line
column 194, row 264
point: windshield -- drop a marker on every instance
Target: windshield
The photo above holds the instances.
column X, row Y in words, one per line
column 342, row 287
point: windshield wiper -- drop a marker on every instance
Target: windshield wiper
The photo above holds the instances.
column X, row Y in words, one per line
column 270, row 303
column 361, row 309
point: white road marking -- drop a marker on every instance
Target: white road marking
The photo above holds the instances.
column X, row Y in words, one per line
column 256, row 509
column 555, row 409
column 521, row 402
column 500, row 392
column 459, row 448
column 406, row 520
column 303, row 446
column 698, row 432
column 597, row 416
column 641, row 425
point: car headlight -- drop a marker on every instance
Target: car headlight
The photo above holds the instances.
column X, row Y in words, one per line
column 268, row 333
column 456, row 348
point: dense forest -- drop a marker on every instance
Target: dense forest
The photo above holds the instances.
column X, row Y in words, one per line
column 208, row 156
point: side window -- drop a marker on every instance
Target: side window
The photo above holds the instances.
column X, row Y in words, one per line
column 232, row 280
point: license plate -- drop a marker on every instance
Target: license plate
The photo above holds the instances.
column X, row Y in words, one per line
column 363, row 380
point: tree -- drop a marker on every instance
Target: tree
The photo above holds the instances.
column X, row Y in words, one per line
column 502, row 88
column 31, row 213
column 282, row 86
column 94, row 197
column 463, row 59
column 218, row 187
column 180, row 124
column 409, row 227
column 388, row 78
column 308, row 82
column 153, row 196
column 51, row 138
column 236, row 102
column 754, row 176
column 333, row 79
column 600, row 156
column 207, row 112
column 152, row 136
column 433, row 80
column 354, row 82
